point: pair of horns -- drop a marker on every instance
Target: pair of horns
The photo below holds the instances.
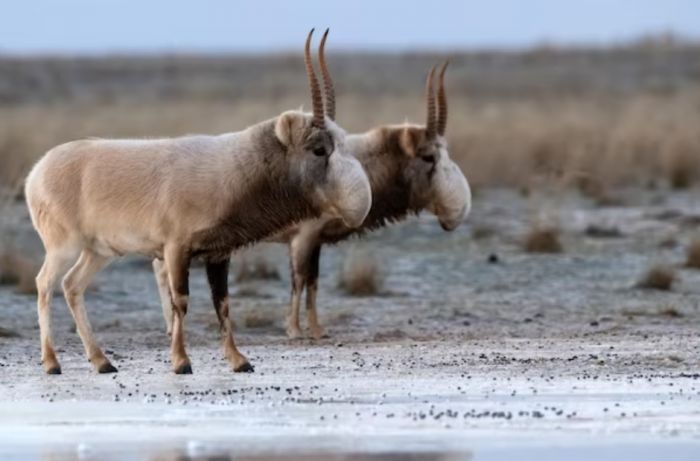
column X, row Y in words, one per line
column 316, row 98
column 436, row 125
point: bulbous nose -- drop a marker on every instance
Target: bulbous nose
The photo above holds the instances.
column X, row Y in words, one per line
column 354, row 194
column 454, row 199
column 450, row 222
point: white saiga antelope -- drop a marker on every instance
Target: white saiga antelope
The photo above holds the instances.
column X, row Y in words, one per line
column 176, row 199
column 409, row 170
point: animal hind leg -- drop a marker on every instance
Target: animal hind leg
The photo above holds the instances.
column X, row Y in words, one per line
column 56, row 263
column 299, row 252
column 161, row 273
column 315, row 328
column 74, row 285
column 217, row 275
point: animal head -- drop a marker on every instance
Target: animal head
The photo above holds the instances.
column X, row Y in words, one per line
column 436, row 183
column 334, row 180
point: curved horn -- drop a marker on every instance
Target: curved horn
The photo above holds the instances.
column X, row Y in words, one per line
column 316, row 98
column 442, row 101
column 430, row 98
column 329, row 90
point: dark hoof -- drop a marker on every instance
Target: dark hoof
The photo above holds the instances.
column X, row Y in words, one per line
column 185, row 369
column 245, row 368
column 107, row 368
column 54, row 371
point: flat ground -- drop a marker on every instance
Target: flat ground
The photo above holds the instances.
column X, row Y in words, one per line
column 473, row 349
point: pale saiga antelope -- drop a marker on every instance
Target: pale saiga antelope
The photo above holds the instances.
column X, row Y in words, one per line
column 176, row 199
column 409, row 170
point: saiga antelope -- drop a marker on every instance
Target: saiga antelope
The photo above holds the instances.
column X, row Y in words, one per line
column 409, row 170
column 179, row 198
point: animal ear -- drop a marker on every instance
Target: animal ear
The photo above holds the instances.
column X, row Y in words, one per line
column 409, row 139
column 289, row 128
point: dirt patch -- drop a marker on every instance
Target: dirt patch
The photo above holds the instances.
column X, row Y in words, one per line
column 475, row 352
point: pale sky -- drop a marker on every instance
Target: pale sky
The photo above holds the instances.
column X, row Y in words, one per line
column 153, row 26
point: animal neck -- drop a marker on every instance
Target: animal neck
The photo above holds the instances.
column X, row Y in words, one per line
column 268, row 200
column 383, row 163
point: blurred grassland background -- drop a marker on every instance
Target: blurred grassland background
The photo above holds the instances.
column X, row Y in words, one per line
column 590, row 118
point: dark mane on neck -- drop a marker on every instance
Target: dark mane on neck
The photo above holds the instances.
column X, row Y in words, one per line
column 392, row 202
column 272, row 202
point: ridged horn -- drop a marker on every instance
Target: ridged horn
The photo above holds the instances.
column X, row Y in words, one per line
column 328, row 88
column 316, row 98
column 442, row 101
column 430, row 99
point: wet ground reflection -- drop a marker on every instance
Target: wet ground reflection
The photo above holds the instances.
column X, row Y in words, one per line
column 394, row 456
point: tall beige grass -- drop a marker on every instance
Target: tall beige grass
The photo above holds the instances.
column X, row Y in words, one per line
column 360, row 274
column 580, row 116
column 628, row 141
column 505, row 143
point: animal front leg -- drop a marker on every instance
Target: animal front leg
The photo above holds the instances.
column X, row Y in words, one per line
column 177, row 261
column 293, row 325
column 161, row 273
column 217, row 275
column 315, row 328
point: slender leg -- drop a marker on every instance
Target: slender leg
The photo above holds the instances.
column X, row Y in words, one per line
column 293, row 326
column 56, row 263
column 217, row 274
column 161, row 273
column 301, row 256
column 297, row 263
column 316, row 330
column 177, row 262
column 74, row 285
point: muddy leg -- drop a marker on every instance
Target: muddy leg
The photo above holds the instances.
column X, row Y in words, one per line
column 316, row 330
column 74, row 285
column 217, row 274
column 177, row 262
column 161, row 273
column 56, row 263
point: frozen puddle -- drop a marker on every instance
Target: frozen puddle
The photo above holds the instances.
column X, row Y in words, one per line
column 420, row 419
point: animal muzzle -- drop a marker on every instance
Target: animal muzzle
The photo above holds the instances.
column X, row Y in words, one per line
column 450, row 221
column 352, row 195
column 453, row 198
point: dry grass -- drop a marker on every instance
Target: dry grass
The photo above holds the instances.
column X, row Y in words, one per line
column 543, row 239
column 595, row 231
column 617, row 142
column 579, row 116
column 256, row 267
column 658, row 277
column 666, row 310
column 670, row 311
column 258, row 320
column 18, row 270
column 7, row 333
column 693, row 254
column 360, row 275
column 481, row 231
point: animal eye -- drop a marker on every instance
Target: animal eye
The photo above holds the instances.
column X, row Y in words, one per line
column 428, row 158
column 320, row 151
